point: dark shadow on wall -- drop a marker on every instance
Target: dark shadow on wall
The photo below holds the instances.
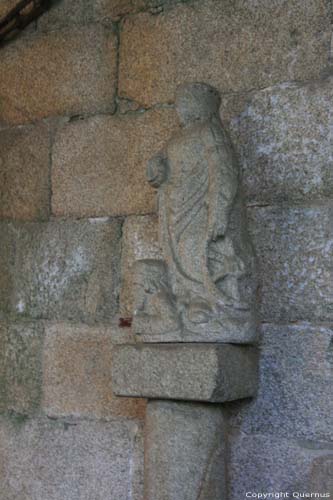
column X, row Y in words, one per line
column 20, row 16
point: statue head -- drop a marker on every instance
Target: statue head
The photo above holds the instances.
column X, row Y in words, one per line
column 196, row 102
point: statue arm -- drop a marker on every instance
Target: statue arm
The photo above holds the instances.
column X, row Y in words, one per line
column 157, row 169
column 223, row 175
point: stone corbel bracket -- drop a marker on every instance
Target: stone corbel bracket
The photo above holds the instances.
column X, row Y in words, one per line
column 210, row 373
column 194, row 312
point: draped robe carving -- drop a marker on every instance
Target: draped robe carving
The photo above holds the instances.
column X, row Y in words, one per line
column 203, row 290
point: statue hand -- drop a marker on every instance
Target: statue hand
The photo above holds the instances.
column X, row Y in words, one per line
column 157, row 169
column 219, row 229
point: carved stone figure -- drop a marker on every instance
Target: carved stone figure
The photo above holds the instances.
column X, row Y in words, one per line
column 204, row 289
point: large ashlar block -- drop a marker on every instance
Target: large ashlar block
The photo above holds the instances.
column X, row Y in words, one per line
column 64, row 459
column 266, row 463
column 65, row 72
column 24, row 173
column 283, row 139
column 60, row 270
column 21, row 360
column 80, row 12
column 188, row 372
column 99, row 163
column 295, row 385
column 67, row 13
column 185, row 452
column 294, row 250
column 2, row 368
column 77, row 364
column 230, row 45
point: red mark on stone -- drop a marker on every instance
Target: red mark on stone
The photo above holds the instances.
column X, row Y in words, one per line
column 125, row 322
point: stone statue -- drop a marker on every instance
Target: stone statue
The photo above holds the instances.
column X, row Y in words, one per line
column 204, row 289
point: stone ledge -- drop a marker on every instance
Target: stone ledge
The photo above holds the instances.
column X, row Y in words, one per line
column 188, row 372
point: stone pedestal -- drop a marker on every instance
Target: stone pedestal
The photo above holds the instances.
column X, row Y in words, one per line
column 185, row 440
column 185, row 452
column 211, row 373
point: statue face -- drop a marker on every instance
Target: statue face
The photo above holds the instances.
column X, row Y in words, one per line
column 196, row 102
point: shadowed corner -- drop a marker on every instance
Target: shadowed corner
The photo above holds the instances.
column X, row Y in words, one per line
column 20, row 16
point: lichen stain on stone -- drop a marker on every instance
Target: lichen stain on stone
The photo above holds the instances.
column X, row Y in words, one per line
column 55, row 276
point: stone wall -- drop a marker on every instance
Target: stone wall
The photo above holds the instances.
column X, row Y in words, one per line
column 86, row 96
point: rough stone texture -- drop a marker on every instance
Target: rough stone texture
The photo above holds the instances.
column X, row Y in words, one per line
column 284, row 139
column 294, row 396
column 139, row 241
column 21, row 367
column 2, row 368
column 77, row 379
column 294, row 250
column 185, row 452
column 118, row 8
column 69, row 460
column 115, row 9
column 62, row 72
column 7, row 266
column 61, row 270
column 118, row 148
column 234, row 45
column 63, row 13
column 190, row 372
column 78, row 12
column 266, row 464
column 24, row 173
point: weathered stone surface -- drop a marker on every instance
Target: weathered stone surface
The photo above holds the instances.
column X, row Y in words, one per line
column 234, row 45
column 118, row 148
column 23, row 362
column 115, row 9
column 3, row 397
column 266, row 464
column 204, row 288
column 7, row 266
column 283, row 139
column 118, row 8
column 80, row 12
column 192, row 372
column 62, row 72
column 294, row 396
column 77, row 379
column 57, row 460
column 185, row 452
column 61, row 270
column 294, row 250
column 65, row 13
column 21, row 367
column 24, row 173
column 139, row 241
